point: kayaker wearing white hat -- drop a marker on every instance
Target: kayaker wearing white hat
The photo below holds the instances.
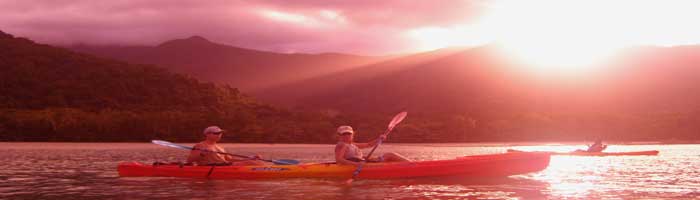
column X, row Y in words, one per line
column 348, row 152
column 213, row 135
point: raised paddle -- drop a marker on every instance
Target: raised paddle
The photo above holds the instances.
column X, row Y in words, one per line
column 396, row 120
column 170, row 144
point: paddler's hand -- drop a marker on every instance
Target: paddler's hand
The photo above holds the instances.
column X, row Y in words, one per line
column 257, row 157
column 358, row 164
column 382, row 137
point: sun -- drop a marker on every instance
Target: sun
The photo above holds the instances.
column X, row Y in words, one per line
column 556, row 36
column 568, row 36
column 557, row 56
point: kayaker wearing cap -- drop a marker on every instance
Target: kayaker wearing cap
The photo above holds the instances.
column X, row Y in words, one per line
column 598, row 146
column 213, row 135
column 348, row 152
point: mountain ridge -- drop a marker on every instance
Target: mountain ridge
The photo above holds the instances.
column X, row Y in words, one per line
column 248, row 69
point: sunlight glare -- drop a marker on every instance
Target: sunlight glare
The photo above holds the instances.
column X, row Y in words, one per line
column 569, row 36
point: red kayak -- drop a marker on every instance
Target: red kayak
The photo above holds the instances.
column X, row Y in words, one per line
column 585, row 153
column 493, row 165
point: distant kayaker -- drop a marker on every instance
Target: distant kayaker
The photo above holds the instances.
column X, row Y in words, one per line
column 348, row 152
column 213, row 135
column 598, row 146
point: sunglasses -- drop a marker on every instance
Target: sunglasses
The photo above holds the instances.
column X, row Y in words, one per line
column 217, row 133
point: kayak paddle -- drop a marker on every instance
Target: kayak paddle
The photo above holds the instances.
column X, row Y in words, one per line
column 396, row 120
column 170, row 144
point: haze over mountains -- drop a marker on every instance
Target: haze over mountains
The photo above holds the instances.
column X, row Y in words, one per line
column 452, row 79
column 453, row 94
column 635, row 80
column 249, row 70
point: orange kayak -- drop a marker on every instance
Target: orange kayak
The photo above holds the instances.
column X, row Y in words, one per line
column 584, row 153
column 492, row 165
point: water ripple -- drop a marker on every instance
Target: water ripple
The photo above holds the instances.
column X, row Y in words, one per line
column 88, row 171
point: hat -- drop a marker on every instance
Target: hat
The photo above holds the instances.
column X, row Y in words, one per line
column 213, row 129
column 345, row 129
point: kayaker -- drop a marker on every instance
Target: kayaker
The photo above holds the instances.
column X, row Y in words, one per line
column 348, row 152
column 598, row 146
column 212, row 136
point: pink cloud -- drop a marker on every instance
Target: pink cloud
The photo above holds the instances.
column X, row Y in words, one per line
column 360, row 26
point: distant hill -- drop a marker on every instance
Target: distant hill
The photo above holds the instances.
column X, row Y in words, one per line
column 642, row 92
column 303, row 93
column 53, row 94
column 249, row 70
column 465, row 80
column 452, row 95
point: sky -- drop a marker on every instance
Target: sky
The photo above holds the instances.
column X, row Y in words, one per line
column 533, row 29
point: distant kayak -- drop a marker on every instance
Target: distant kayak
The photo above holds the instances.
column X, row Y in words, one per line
column 492, row 165
column 584, row 153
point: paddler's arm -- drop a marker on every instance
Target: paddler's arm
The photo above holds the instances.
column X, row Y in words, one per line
column 340, row 159
column 363, row 145
column 371, row 143
column 195, row 155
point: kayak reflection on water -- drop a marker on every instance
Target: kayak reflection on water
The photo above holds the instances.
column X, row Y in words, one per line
column 209, row 157
column 348, row 152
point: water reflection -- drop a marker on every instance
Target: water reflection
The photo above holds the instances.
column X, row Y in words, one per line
column 69, row 171
column 620, row 176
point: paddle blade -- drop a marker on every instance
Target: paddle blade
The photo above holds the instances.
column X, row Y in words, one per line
column 397, row 119
column 286, row 162
column 170, row 144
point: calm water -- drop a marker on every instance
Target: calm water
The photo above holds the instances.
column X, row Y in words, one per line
column 88, row 171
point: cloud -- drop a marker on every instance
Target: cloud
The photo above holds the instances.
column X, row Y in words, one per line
column 359, row 26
